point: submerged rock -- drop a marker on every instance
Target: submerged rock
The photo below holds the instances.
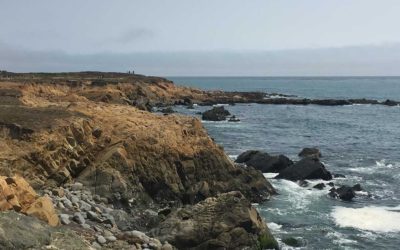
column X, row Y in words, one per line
column 307, row 168
column 263, row 161
column 233, row 119
column 293, row 242
column 225, row 221
column 215, row 114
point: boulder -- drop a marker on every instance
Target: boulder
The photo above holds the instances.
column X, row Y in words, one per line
column 263, row 161
column 18, row 231
column 357, row 187
column 345, row 193
column 319, row 186
column 16, row 194
column 307, row 168
column 216, row 114
column 310, row 152
column 227, row 221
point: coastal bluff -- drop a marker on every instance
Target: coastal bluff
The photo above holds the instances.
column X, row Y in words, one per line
column 91, row 135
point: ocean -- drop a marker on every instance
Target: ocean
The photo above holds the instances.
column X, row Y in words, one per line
column 360, row 141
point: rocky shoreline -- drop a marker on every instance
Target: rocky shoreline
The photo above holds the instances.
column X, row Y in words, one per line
column 122, row 177
column 118, row 176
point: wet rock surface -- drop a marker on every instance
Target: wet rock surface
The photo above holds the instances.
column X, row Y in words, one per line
column 307, row 168
column 263, row 161
column 215, row 114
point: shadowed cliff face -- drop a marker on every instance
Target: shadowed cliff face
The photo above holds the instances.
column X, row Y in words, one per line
column 57, row 133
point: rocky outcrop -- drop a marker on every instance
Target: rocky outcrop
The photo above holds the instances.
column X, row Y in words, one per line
column 263, row 161
column 224, row 222
column 135, row 159
column 310, row 152
column 16, row 194
column 215, row 114
column 345, row 193
column 307, row 168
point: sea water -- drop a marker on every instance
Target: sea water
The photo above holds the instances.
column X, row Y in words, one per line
column 360, row 141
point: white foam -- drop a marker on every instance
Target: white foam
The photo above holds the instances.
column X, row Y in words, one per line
column 299, row 197
column 382, row 165
column 378, row 219
column 270, row 175
column 340, row 238
column 233, row 157
column 274, row 226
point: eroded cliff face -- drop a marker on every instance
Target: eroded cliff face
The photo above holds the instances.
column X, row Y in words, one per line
column 55, row 134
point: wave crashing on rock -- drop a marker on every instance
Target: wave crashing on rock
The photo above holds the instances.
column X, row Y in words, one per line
column 372, row 218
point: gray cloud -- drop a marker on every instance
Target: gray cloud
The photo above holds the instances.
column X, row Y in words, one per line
column 361, row 60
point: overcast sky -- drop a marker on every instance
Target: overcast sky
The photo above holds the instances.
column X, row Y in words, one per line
column 208, row 37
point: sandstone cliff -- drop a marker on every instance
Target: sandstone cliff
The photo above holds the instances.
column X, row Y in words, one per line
column 54, row 132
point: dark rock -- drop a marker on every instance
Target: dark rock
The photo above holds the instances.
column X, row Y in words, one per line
column 99, row 83
column 339, row 176
column 93, row 216
column 263, row 161
column 357, row 187
column 307, row 168
column 293, row 242
column 345, row 193
column 331, row 184
column 303, row 183
column 233, row 119
column 310, row 152
column 78, row 218
column 17, row 131
column 187, row 101
column 143, row 103
column 167, row 110
column 390, row 103
column 190, row 106
column 215, row 114
column 97, row 132
column 331, row 102
column 164, row 211
column 319, row 186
